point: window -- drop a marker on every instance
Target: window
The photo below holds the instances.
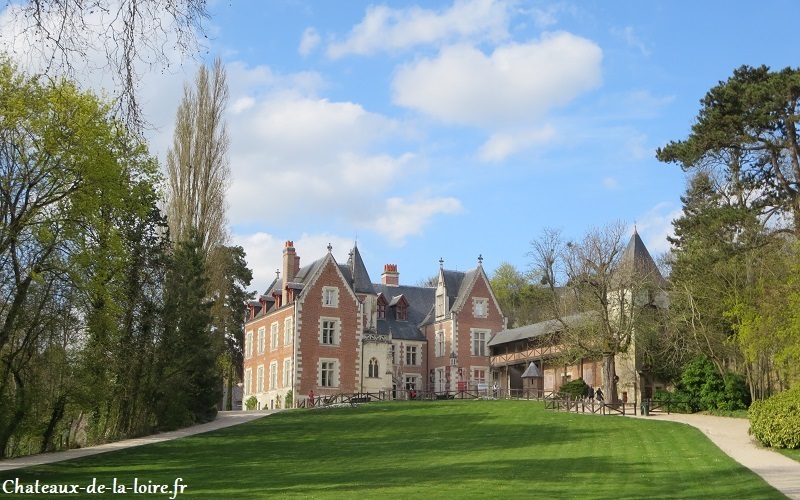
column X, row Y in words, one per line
column 373, row 368
column 439, row 344
column 288, row 333
column 381, row 307
column 287, row 372
column 411, row 382
column 273, row 336
column 480, row 307
column 328, row 376
column 329, row 331
column 479, row 342
column 261, row 339
column 479, row 375
column 330, row 296
column 401, row 312
column 260, row 379
column 411, row 355
column 248, row 375
column 394, row 355
column 248, row 345
column 273, row 375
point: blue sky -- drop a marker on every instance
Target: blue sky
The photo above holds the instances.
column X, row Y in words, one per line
column 428, row 130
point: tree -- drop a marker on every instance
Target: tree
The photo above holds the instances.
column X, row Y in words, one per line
column 71, row 179
column 746, row 131
column 614, row 295
column 521, row 301
column 197, row 163
column 69, row 34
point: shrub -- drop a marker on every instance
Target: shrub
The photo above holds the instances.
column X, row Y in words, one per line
column 287, row 402
column 776, row 421
column 251, row 403
column 705, row 389
column 576, row 389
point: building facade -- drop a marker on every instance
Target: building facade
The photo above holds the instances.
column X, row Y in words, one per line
column 327, row 328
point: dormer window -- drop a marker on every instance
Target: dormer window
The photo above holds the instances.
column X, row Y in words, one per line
column 401, row 313
column 381, row 307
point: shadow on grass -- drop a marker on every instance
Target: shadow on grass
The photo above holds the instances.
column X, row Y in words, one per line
column 453, row 449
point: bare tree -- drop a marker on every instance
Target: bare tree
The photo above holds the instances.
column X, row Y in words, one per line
column 119, row 37
column 197, row 163
column 595, row 277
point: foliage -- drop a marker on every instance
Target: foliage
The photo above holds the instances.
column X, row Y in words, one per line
column 521, row 301
column 251, row 403
column 288, row 399
column 428, row 459
column 776, row 421
column 575, row 389
column 705, row 389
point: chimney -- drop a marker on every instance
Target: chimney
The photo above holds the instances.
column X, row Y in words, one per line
column 290, row 264
column 390, row 275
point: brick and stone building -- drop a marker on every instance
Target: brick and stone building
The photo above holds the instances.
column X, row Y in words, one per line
column 327, row 328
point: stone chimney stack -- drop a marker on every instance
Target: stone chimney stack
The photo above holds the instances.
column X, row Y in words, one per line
column 291, row 263
column 390, row 275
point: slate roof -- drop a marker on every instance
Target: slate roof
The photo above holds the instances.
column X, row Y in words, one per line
column 420, row 301
column 532, row 371
column 637, row 258
column 357, row 274
column 538, row 329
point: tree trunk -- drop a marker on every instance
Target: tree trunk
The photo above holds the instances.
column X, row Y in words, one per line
column 55, row 418
column 609, row 374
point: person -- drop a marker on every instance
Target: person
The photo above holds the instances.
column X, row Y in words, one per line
column 413, row 393
column 590, row 395
column 599, row 394
column 494, row 389
column 311, row 398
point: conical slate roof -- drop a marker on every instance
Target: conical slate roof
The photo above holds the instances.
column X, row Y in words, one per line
column 637, row 259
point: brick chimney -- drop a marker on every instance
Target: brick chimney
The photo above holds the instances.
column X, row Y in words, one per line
column 390, row 275
column 291, row 264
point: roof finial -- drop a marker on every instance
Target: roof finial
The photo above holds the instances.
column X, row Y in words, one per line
column 278, row 274
column 480, row 260
column 634, row 228
column 441, row 263
column 330, row 248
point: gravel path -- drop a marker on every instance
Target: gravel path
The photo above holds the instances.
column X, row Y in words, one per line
column 730, row 434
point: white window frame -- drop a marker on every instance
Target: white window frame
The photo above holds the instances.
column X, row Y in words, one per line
column 248, row 379
column 330, row 296
column 439, row 344
column 374, row 373
column 480, row 307
column 260, row 379
column 273, row 375
column 474, row 334
column 414, row 353
column 441, row 380
column 273, row 336
column 288, row 331
column 248, row 344
column 440, row 305
column 330, row 366
column 413, row 380
column 262, row 334
column 336, row 333
column 287, row 372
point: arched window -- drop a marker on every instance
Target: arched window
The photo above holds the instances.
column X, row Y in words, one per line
column 373, row 367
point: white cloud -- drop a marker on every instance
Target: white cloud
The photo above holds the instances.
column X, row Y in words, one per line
column 308, row 42
column 387, row 29
column 401, row 218
column 514, row 85
column 501, row 145
column 629, row 37
column 264, row 252
column 655, row 225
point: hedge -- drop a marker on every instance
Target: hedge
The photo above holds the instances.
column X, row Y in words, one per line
column 776, row 421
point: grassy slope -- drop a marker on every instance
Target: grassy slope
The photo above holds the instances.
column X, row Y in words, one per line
column 458, row 449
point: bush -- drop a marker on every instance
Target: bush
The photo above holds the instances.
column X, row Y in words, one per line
column 776, row 421
column 287, row 402
column 705, row 389
column 575, row 389
column 251, row 403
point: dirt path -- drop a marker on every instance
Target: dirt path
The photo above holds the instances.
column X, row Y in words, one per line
column 730, row 434
column 224, row 419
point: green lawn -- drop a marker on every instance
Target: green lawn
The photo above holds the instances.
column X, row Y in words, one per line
column 454, row 449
